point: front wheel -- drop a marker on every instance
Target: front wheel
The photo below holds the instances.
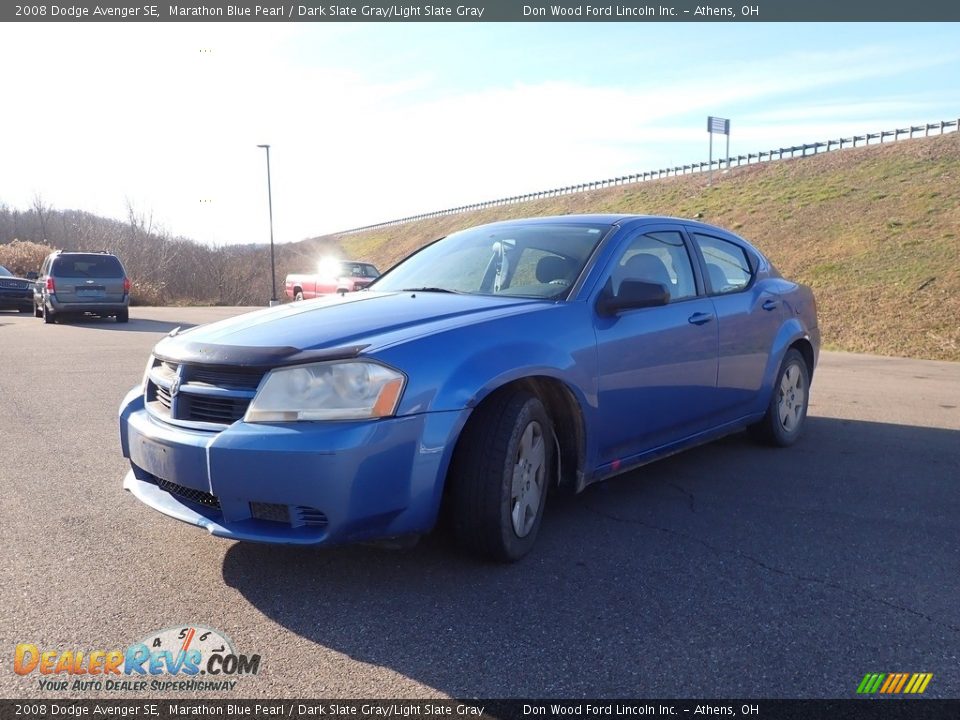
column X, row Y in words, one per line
column 500, row 473
column 299, row 296
column 787, row 411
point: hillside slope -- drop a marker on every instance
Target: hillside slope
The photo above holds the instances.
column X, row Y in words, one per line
column 874, row 230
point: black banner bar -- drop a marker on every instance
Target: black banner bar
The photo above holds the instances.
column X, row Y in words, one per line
column 855, row 709
column 726, row 11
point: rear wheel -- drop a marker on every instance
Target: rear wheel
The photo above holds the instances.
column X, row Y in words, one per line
column 48, row 317
column 123, row 316
column 787, row 411
column 499, row 477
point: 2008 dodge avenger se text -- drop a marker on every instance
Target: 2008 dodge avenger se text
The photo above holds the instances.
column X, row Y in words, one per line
column 471, row 377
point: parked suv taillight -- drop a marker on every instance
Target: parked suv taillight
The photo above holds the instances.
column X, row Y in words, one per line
column 51, row 286
column 126, row 285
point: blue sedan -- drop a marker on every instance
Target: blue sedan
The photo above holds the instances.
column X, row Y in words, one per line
column 476, row 374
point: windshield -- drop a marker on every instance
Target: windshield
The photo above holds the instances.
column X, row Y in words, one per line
column 529, row 260
column 4, row 272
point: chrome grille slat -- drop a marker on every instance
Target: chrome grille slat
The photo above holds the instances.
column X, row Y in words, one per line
column 208, row 395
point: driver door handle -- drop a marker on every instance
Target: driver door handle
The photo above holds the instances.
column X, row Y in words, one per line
column 700, row 318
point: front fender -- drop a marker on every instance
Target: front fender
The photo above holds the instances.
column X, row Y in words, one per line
column 455, row 369
column 484, row 372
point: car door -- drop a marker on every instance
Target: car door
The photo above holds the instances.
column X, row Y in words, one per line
column 657, row 366
column 748, row 316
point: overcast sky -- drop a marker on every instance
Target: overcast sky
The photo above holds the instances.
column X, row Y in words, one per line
column 369, row 122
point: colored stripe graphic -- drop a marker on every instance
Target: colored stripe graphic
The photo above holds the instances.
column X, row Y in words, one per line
column 870, row 683
column 918, row 683
column 903, row 681
column 891, row 681
column 894, row 683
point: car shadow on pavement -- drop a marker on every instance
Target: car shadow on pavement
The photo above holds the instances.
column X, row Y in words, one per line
column 731, row 570
column 134, row 324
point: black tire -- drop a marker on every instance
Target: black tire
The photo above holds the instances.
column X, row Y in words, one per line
column 298, row 296
column 123, row 316
column 48, row 317
column 489, row 518
column 787, row 411
column 37, row 312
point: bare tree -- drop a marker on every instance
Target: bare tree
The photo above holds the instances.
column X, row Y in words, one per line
column 42, row 210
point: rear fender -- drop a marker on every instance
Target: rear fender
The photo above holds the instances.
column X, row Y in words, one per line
column 791, row 331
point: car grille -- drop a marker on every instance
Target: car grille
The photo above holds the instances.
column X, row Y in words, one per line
column 196, row 496
column 293, row 516
column 200, row 393
column 14, row 284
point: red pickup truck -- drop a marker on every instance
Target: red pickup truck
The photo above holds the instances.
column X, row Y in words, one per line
column 334, row 276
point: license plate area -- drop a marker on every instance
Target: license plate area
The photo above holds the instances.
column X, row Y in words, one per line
column 184, row 465
column 90, row 291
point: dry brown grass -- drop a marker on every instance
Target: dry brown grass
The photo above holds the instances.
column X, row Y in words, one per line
column 874, row 230
column 22, row 256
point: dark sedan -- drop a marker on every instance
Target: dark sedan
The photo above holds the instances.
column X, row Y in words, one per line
column 16, row 293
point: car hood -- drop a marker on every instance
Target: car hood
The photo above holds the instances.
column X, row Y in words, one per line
column 333, row 327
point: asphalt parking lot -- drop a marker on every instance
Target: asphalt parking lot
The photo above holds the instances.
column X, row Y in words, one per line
column 731, row 570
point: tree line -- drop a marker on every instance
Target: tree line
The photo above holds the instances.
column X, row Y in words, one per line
column 164, row 269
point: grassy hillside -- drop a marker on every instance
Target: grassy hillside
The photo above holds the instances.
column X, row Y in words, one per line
column 875, row 231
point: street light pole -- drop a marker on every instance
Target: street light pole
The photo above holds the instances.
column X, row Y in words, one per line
column 273, row 272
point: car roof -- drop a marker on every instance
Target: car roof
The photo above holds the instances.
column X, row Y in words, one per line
column 64, row 253
column 603, row 219
column 623, row 219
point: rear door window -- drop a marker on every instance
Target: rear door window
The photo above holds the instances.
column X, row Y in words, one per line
column 728, row 266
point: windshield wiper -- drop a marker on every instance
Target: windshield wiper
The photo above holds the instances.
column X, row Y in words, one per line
column 432, row 289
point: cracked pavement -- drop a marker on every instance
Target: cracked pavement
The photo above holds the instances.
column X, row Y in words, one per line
column 731, row 570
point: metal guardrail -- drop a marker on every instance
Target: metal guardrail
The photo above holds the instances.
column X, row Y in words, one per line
column 940, row 128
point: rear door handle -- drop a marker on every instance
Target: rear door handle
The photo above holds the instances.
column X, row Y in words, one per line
column 770, row 305
column 700, row 318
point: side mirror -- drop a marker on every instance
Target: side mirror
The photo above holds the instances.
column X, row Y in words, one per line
column 632, row 294
column 33, row 275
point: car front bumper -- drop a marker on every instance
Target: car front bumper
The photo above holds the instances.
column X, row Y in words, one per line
column 16, row 299
column 297, row 483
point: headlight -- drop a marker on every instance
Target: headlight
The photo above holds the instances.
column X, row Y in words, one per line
column 349, row 390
